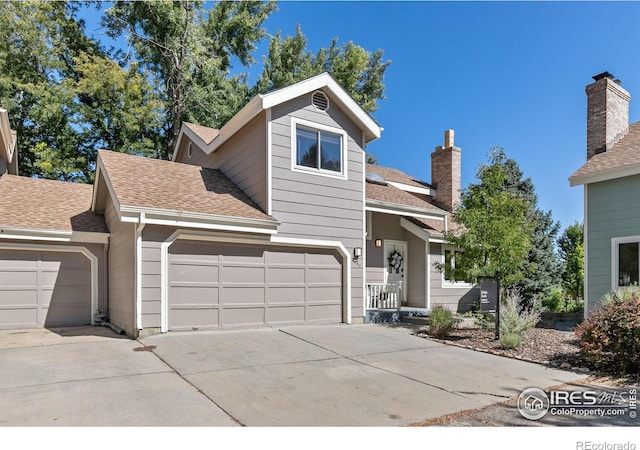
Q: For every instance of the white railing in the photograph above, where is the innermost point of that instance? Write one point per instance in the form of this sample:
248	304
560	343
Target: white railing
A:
383	296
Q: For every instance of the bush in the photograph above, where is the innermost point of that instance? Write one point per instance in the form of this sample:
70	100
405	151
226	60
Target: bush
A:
610	337
555	301
440	321
515	320
510	340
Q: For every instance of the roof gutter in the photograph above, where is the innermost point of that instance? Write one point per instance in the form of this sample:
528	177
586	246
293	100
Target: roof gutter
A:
605	175
404	210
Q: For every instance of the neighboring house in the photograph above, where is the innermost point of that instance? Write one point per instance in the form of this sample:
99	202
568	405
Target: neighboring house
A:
611	180
249	225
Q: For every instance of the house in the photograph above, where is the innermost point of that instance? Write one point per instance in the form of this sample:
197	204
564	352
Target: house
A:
611	182
274	219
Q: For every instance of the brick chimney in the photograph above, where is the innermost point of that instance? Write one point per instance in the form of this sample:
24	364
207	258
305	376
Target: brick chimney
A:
446	168
607	113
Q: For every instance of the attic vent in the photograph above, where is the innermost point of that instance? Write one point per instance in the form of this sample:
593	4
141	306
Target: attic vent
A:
320	101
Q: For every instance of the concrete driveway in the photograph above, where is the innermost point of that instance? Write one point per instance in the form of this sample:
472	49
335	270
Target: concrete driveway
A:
358	375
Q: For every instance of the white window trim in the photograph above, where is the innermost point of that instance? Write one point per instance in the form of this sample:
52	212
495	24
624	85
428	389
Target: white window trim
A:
451	284
319	127
615	254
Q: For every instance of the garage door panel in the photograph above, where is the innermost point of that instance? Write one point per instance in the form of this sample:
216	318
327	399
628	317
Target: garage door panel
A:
285	294
323	293
287	314
18	317
290	275
325	313
44	288
194	272
244	274
243	294
18	296
324	275
194	295
253	285
188	318
243	316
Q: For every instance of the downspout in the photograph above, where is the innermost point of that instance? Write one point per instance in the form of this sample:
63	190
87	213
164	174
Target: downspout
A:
139	228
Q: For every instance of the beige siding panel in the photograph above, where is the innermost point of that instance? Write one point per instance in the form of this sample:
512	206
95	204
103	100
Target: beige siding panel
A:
417	271
251	285
243	158
121	271
152	237
456	299
198	157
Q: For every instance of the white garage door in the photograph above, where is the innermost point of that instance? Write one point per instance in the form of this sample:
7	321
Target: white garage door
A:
215	284
44	289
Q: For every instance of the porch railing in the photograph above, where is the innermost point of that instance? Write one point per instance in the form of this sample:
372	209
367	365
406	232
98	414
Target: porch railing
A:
383	296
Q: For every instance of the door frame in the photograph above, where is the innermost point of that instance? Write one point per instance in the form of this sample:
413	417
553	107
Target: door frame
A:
387	244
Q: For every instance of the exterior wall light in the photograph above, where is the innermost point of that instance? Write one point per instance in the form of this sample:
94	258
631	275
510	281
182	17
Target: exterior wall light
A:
357	253
378	243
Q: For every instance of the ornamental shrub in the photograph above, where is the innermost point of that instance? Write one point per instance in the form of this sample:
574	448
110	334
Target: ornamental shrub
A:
510	340
610	337
440	321
514	319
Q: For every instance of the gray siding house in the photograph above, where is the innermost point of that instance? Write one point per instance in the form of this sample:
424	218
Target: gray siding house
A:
611	183
274	219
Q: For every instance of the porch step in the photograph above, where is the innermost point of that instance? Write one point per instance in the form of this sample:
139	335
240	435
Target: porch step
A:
420	315
416	320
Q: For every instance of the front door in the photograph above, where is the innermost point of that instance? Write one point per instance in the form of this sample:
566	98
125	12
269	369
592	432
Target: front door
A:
395	254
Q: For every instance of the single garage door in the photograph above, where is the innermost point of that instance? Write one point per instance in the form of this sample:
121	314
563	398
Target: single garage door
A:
216	284
43	289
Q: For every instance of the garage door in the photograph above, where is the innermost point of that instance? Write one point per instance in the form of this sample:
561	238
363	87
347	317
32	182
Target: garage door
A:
214	284
39	289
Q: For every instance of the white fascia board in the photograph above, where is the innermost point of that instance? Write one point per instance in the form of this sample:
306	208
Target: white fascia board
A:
415	229
33	234
410	188
605	175
101	171
201	221
402	210
178	141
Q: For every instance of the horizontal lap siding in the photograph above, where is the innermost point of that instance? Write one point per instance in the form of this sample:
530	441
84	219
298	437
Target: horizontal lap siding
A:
456	299
121	271
152	238
316	207
612	211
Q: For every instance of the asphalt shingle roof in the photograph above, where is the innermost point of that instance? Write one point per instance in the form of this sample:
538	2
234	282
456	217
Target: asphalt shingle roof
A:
47	205
205	133
625	152
165	185
396	176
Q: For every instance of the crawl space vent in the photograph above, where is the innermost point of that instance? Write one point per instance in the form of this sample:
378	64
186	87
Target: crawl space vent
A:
320	101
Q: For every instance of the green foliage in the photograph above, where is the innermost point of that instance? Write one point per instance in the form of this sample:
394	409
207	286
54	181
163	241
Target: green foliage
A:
515	320
610	337
510	341
440	321
558	301
571	251
357	70
495	226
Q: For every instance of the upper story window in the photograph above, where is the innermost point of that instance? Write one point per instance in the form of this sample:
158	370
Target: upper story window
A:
320	149
450	263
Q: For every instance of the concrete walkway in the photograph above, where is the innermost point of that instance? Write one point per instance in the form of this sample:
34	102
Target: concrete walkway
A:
358	375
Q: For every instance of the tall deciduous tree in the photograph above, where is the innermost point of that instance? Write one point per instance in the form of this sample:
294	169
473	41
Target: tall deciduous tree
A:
495	228
357	70
571	250
190	49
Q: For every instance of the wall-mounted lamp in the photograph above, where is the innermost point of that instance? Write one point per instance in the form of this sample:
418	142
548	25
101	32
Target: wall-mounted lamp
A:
357	253
378	243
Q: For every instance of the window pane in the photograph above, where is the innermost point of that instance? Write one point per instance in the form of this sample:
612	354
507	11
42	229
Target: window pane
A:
628	264
331	152
449	264
306	148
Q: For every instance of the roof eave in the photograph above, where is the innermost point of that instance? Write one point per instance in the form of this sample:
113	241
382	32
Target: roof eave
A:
605	175
404	210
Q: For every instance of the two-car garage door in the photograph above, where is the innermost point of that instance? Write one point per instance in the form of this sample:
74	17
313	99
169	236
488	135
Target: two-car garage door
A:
44	288
218	284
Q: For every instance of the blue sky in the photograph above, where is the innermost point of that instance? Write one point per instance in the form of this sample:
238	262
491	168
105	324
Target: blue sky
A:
510	74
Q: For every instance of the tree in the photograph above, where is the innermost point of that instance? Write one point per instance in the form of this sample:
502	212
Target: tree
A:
189	50
571	250
495	228
357	70
541	268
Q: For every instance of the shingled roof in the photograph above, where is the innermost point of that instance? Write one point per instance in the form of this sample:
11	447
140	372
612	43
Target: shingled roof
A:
625	153
205	133
396	176
33	203
174	187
